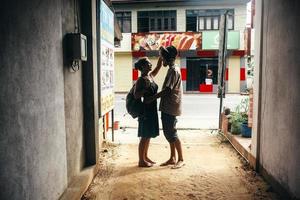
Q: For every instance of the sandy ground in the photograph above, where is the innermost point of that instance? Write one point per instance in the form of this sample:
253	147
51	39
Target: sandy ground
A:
213	170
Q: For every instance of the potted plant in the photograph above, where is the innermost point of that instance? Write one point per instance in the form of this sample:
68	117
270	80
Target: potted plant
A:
245	130
239	118
236	120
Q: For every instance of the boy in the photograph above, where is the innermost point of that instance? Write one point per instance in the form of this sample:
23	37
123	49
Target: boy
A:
170	105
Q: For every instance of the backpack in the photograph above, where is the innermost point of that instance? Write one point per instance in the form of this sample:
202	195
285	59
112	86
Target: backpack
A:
134	107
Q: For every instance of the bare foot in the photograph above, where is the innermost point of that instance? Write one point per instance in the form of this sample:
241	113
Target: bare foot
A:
144	164
168	162
178	165
150	161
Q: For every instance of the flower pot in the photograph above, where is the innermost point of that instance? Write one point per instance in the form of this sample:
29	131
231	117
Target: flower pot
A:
116	125
245	130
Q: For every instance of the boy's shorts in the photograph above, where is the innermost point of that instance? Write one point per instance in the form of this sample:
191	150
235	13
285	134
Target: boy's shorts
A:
169	127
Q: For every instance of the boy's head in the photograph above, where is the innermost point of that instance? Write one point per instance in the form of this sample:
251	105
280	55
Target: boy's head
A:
168	54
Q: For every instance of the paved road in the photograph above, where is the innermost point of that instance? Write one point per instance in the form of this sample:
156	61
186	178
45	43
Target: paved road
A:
200	111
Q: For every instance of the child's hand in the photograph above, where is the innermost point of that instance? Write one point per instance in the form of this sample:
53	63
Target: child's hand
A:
159	51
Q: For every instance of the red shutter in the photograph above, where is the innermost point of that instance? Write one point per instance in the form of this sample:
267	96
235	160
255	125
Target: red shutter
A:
183	74
243	74
135	74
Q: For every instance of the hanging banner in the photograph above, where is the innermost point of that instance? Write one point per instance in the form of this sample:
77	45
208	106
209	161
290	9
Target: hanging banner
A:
152	41
106	59
211	40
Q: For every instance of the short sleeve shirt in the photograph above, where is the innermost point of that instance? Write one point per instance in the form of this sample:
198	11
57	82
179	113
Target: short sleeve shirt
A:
171	104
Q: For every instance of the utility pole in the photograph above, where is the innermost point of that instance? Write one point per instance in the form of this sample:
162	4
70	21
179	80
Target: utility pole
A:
222	62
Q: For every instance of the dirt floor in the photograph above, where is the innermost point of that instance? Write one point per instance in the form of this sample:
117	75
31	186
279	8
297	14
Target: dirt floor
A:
213	170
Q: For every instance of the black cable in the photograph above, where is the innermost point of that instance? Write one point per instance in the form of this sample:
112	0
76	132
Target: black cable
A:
76	22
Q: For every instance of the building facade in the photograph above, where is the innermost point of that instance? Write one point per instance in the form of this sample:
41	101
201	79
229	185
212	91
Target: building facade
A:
192	27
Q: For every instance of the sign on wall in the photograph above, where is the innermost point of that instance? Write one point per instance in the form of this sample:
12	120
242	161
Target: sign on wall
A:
152	41
210	40
106	59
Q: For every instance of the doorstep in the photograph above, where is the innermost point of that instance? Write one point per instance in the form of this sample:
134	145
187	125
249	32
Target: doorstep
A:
79	184
241	144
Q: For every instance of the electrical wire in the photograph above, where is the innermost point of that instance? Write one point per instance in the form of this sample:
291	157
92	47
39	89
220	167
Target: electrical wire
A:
75	63
75	16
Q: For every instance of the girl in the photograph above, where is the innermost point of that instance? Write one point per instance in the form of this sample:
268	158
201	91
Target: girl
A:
148	123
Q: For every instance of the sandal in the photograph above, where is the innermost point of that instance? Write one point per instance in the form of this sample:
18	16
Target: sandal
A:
178	165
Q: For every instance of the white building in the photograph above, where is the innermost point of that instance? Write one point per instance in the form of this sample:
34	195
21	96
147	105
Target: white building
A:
191	26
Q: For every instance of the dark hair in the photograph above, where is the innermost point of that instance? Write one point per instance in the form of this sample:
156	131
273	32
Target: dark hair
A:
138	65
169	52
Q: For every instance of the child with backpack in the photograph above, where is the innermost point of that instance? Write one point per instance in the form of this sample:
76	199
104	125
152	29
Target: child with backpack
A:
148	127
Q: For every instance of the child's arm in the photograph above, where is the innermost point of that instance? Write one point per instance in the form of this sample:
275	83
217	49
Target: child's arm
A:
157	68
162	93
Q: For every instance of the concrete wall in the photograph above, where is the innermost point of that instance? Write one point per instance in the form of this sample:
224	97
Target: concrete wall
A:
181	20
33	138
41	101
280	100
257	74
234	74
125	43
73	94
123	72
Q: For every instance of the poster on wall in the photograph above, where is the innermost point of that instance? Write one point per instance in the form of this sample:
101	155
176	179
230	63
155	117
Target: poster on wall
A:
152	41
211	40
106	59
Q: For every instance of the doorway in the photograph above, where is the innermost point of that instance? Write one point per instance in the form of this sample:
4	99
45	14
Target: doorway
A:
201	71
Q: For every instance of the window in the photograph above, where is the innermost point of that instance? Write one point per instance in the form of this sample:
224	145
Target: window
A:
230	22
156	21
199	20
215	23
124	21
208	23
166	22
201	23
173	24
191	24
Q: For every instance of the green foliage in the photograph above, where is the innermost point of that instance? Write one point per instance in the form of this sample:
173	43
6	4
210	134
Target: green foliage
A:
250	66
239	116
250	72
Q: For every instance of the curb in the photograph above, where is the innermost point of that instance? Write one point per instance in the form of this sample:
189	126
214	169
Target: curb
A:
180	128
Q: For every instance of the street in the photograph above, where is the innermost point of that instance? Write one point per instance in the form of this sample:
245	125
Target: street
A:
200	111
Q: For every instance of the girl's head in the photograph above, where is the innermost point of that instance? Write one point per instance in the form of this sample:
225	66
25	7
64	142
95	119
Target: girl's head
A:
144	65
168	54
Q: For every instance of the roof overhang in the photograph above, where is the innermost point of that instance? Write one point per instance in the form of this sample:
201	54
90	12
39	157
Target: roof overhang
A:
188	2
